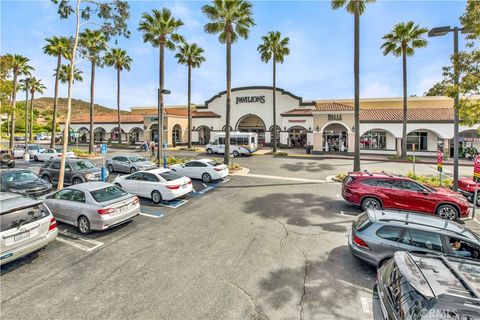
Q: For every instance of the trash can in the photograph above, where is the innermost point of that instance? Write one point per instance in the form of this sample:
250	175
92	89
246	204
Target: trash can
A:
308	149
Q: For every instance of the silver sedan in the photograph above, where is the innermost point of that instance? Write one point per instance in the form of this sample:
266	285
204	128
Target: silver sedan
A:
93	206
129	163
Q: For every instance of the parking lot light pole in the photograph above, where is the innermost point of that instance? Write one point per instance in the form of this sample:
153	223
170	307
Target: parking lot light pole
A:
437	32
160	157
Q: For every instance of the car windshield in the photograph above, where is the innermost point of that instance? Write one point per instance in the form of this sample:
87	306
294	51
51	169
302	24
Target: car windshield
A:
82	165
18	176
59	150
170	175
17	218
107	194
214	163
138	159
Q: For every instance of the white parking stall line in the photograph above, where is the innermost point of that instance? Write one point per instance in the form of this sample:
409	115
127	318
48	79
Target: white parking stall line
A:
74	244
263	176
151	215
435	170
366	304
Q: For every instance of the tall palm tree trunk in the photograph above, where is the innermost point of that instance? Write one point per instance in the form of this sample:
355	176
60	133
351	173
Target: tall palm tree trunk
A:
404	133
189	107
356	70
31	115
92	104
274	98
160	106
14	108
55	103
226	155
118	107
26	117
66	129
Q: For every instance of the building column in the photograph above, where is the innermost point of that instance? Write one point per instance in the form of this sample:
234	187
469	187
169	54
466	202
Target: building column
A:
147	135
446	148
268	137
399	147
317	141
309	138
351	142
284	138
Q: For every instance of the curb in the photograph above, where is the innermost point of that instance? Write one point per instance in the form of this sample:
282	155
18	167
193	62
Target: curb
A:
241	172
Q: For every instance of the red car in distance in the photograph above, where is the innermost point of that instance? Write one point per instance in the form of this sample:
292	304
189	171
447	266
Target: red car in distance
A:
466	186
382	190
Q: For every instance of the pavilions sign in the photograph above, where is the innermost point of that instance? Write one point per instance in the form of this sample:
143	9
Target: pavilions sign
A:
252	99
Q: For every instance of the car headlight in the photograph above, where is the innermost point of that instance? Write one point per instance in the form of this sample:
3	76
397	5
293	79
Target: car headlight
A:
89	176
21	191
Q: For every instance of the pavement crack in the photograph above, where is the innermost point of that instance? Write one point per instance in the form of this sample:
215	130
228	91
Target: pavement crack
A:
260	314
284	228
305	275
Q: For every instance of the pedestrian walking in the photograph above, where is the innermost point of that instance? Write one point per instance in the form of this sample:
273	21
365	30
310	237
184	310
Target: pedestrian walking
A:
152	148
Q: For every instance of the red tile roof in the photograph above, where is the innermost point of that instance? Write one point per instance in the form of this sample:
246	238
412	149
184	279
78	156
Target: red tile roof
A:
333	106
205	114
168	111
124	118
413	114
298	113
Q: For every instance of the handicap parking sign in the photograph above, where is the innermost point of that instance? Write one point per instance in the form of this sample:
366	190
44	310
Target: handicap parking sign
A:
103	148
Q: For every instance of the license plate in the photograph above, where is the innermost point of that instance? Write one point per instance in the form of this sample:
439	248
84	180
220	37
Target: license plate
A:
184	185
21	236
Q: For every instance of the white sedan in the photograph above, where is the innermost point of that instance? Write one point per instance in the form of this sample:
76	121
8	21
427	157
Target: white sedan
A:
33	150
205	169
51	154
157	184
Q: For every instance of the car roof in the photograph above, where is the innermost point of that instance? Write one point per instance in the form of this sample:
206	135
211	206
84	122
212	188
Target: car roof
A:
435	275
424	221
12	200
156	170
382	174
205	160
90	186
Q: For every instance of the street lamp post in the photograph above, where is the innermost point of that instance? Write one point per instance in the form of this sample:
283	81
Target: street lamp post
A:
437	32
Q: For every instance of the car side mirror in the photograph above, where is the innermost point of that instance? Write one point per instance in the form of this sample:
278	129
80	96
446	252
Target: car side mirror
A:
424	191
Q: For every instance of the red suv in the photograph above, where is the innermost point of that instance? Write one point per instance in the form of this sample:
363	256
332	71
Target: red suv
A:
381	190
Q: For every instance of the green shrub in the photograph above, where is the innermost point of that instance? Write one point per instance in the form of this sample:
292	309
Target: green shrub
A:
81	153
281	153
409	158
431	181
341	176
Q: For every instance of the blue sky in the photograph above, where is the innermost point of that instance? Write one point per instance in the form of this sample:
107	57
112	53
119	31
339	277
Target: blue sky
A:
321	42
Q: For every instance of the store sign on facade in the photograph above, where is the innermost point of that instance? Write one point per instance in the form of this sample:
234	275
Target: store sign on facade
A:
297	120
251	99
334	117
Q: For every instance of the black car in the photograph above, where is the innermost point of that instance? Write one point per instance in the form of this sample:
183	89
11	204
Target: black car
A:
429	286
76	171
24	182
7	159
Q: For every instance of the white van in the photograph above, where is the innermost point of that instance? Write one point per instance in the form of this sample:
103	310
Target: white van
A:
241	143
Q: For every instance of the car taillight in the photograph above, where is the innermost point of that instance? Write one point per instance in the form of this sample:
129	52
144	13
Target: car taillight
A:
177	186
218	169
106	211
360	242
135	200
53	224
189	181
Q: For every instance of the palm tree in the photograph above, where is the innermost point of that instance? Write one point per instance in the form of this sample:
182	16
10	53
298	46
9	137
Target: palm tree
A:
275	47
19	66
35	85
58	47
65	73
119	59
191	56
160	30
402	41
356	7
92	43
24	85
231	19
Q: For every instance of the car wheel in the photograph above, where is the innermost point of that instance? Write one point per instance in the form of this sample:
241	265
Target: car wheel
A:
235	153
447	211
156	197
35	158
47	178
133	170
110	168
11	165
369	203
209	151
77	181
83	225
206	177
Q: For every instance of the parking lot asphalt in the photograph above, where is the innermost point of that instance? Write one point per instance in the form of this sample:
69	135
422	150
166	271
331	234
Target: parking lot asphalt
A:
253	247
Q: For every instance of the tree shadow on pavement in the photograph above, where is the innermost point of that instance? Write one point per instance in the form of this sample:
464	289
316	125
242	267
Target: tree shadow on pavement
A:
311	166
333	287
300	209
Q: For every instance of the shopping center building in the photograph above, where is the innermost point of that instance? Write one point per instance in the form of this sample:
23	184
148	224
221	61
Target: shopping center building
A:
327	125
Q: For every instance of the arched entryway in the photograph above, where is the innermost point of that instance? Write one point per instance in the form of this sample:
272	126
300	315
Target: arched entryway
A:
335	137
252	123
99	134
154	132
297	137
114	134
176	135
83	135
135	135
204	135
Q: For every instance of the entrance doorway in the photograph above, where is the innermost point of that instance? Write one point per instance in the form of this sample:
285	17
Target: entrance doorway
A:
176	135
203	135
335	138
252	123
297	137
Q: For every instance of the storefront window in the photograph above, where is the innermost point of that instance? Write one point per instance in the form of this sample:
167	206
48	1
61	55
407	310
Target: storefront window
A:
374	140
419	139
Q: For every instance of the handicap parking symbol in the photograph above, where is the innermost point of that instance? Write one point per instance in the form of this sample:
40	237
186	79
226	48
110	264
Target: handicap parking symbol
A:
173	203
